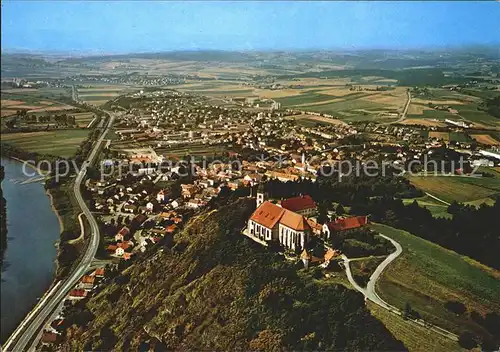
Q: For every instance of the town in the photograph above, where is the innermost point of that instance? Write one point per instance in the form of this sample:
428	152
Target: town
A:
171	154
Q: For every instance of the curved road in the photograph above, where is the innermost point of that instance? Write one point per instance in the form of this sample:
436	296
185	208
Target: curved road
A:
370	293
23	335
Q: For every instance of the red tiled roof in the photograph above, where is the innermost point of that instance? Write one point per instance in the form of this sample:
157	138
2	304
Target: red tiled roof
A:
112	247
294	221
99	272
87	279
348	223
124	231
298	203
314	225
124	245
78	293
49	337
268	214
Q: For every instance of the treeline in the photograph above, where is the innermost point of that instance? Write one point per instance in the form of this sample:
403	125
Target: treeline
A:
493	106
348	189
471	231
433	77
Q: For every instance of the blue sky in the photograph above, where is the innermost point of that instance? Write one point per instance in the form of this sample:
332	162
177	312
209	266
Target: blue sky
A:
132	26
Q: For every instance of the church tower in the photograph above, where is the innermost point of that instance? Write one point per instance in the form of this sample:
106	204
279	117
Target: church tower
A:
260	194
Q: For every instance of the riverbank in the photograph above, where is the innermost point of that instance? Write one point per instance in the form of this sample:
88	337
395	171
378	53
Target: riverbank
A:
54	209
29	262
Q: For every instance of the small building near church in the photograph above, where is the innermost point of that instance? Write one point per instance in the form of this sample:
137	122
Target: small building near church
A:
303	205
344	224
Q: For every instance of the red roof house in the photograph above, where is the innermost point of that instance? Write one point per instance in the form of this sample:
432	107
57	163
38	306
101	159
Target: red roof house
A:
303	205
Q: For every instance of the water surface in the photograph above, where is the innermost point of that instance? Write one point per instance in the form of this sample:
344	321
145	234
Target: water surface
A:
29	261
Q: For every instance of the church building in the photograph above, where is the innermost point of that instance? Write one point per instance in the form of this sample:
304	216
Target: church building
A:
272	223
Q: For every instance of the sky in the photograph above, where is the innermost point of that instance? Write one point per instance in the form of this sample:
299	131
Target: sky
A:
143	26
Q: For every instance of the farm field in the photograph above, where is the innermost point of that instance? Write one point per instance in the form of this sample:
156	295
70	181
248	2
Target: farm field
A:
100	94
436	208
427	276
463	106
32	100
63	143
83	119
415	338
330	96
457	188
485	139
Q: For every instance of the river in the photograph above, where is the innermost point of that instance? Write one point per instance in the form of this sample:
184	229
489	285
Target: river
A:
29	261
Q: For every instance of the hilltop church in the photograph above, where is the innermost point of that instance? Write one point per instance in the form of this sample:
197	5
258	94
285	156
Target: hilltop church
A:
273	223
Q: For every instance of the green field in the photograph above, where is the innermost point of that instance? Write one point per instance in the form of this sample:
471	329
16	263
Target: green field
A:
305	98
460	189
433	114
415	338
63	143
437	208
427	276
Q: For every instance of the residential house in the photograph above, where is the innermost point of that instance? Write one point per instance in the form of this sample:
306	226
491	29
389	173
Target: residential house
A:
160	196
122	234
188	190
99	272
49	337
77	294
87	282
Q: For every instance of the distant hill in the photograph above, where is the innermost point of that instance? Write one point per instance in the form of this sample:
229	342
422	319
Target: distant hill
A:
217	290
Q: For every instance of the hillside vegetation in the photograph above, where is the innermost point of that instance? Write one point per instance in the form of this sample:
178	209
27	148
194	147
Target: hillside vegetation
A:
215	289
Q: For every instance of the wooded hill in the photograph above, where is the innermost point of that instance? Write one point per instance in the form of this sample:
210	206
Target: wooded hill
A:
214	289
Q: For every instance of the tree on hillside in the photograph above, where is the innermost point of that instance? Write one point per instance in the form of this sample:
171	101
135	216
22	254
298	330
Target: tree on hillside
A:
467	340
455	307
340	210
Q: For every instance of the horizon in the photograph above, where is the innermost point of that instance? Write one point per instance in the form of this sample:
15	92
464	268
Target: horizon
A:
104	28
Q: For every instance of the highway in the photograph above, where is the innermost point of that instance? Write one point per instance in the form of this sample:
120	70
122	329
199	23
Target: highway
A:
21	338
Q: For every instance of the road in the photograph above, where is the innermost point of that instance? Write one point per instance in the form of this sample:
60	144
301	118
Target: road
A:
370	293
405	111
21	338
438	199
74	93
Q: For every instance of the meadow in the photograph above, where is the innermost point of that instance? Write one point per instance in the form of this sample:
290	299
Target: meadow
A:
427	276
414	337
437	208
63	143
457	188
